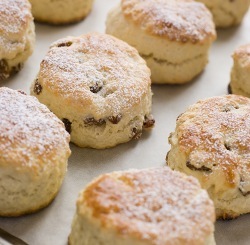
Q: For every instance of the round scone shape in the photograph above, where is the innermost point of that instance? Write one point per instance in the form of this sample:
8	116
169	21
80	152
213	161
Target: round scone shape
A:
99	86
60	11
240	73
173	36
17	35
227	13
212	143
152	206
34	150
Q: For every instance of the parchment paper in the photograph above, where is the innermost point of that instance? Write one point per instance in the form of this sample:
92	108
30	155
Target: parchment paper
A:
52	225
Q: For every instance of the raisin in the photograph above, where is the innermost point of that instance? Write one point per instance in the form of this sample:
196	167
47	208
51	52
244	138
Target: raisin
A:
136	133
4	70
202	168
67	44
37	87
21	92
96	88
148	122
115	119
90	121
67	124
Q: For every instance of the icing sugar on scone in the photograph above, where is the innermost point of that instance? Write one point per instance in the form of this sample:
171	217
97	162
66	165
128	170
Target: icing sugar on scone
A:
173	37
99	86
212	143
152	206
16	35
34	150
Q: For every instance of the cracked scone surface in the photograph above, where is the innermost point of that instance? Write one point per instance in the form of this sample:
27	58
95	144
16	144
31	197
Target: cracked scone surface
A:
17	35
240	72
173	37
212	143
60	11
227	13
99	86
151	206
34	150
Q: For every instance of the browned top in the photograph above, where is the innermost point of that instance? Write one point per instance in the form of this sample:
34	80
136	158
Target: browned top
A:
180	20
215	133
31	137
97	70
242	55
156	205
15	16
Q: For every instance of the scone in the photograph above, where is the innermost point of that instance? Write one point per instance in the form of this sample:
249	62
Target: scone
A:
240	73
99	87
173	36
60	11
212	143
34	150
227	13
17	35
143	207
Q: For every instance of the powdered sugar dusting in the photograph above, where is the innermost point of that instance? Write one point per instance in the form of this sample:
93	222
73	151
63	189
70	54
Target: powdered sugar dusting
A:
95	60
181	20
216	133
15	16
157	204
29	132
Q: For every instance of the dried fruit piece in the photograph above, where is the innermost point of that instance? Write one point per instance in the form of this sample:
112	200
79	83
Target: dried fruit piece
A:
37	87
136	133
67	44
96	88
67	124
202	168
115	119
90	121
148	122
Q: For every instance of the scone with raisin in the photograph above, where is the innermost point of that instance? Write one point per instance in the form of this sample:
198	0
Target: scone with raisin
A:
60	11
17	35
34	151
212	143
143	207
173	36
240	73
99	87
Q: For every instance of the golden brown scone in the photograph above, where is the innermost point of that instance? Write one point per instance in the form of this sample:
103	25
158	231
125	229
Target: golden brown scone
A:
143	207
173	36
227	13
99	86
60	11
17	35
34	151
212	143
240	73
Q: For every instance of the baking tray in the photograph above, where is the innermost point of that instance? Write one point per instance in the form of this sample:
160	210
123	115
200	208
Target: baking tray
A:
52	224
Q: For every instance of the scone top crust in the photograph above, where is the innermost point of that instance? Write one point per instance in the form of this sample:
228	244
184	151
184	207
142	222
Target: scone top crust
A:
31	137
15	17
156	205
180	20
215	135
242	55
95	71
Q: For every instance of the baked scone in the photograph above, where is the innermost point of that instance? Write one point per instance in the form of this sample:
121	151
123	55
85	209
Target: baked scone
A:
99	86
34	150
17	35
227	13
60	11
240	73
143	207
212	143
173	36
